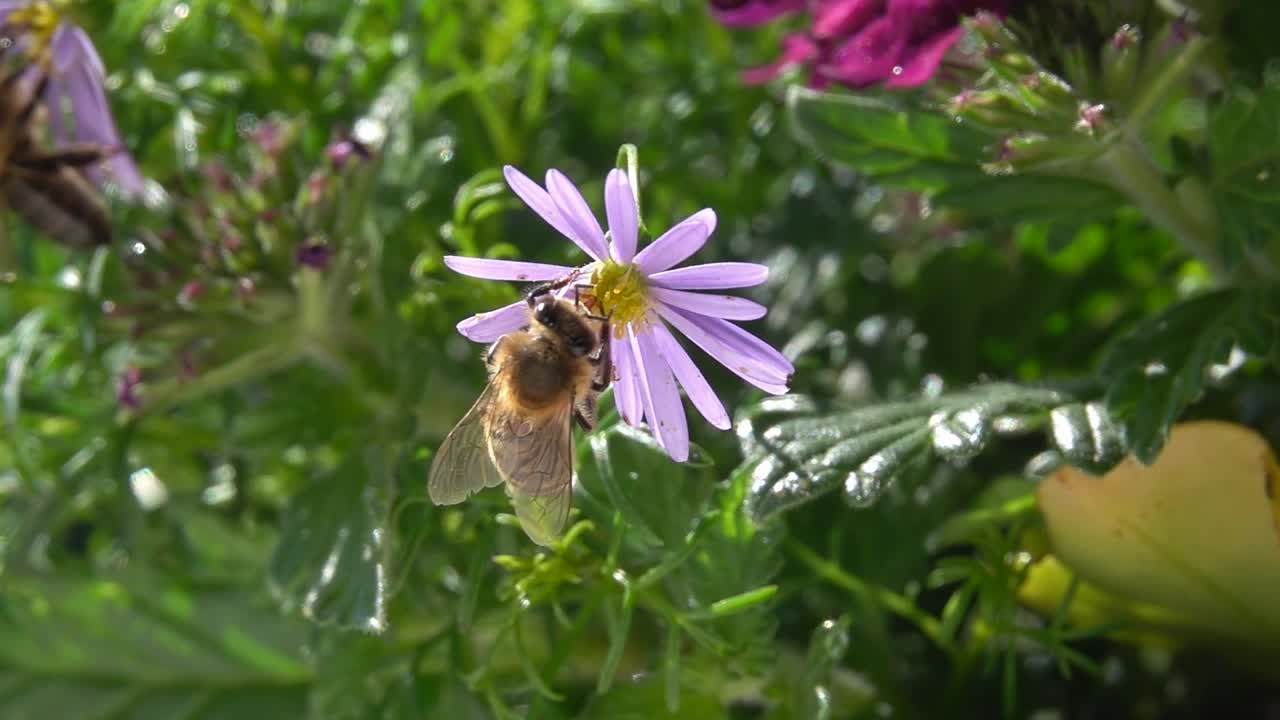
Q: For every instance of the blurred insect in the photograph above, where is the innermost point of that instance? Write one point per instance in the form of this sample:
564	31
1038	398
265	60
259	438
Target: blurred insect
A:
520	430
47	188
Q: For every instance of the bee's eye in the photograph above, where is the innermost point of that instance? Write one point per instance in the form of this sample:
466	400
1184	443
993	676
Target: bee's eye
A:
545	317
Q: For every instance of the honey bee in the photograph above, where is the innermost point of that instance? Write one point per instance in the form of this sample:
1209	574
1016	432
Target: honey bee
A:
47	188
520	431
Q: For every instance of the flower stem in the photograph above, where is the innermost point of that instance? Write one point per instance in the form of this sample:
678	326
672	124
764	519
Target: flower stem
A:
1131	172
898	604
629	160
1156	91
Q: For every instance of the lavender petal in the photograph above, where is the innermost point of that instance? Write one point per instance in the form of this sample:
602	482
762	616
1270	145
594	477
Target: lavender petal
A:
624	218
489	326
540	202
488	269
673	246
729	307
771	377
577	214
71	46
691	379
83	82
626	384
712	276
667	419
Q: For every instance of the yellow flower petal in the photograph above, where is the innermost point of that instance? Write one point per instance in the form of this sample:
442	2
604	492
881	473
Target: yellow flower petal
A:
1194	533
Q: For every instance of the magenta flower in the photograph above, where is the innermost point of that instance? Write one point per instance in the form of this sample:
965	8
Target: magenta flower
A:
858	43
645	293
75	95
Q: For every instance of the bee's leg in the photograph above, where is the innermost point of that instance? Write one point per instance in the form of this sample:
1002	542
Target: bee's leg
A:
33	100
492	351
584	413
547	288
73	156
532	296
603	361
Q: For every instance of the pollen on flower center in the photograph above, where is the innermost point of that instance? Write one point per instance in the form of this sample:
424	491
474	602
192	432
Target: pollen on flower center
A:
40	19
621	292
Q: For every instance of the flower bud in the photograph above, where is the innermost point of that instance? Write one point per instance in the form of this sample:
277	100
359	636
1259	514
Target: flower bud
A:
1120	60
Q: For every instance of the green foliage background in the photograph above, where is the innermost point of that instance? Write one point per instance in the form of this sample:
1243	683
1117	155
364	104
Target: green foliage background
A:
296	567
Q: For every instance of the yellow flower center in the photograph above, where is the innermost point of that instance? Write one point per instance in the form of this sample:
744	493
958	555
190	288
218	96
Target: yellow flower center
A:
621	292
40	20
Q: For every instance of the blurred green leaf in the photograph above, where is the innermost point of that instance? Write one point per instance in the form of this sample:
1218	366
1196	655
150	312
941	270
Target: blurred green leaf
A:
643	698
660	499
1157	369
331	559
928	151
142	649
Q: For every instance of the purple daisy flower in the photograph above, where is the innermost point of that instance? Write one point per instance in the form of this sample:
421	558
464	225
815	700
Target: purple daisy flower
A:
647	295
76	94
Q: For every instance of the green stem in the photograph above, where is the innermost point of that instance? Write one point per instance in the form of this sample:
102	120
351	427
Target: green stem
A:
1128	169
1156	90
629	160
890	600
494	120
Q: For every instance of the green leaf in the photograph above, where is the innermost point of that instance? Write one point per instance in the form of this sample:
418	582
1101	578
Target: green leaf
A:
1244	160
916	150
137	649
1159	368
931	152
331	560
659	498
1032	196
796	460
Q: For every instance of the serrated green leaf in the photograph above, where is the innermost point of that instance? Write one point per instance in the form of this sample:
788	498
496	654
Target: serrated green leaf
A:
921	151
1244	161
1156	370
798	460
331	559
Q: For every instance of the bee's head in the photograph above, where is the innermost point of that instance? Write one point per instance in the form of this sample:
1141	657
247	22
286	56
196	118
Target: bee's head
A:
564	320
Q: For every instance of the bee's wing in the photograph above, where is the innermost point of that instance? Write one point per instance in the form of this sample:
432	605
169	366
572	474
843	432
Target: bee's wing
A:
463	466
61	203
535	455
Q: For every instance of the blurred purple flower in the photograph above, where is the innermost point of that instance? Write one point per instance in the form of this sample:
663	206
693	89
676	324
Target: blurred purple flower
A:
858	43
645	293
314	254
127	388
76	95
343	149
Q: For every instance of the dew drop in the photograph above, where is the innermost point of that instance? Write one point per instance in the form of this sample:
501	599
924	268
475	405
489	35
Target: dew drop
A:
960	437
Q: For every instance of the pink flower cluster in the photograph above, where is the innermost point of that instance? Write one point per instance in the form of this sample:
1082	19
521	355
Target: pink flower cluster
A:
857	43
